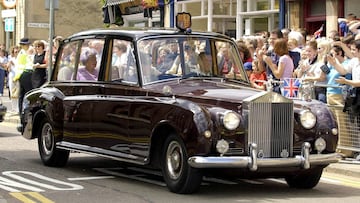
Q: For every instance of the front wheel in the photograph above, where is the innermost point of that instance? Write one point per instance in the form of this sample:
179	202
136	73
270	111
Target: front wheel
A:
306	180
178	175
50	155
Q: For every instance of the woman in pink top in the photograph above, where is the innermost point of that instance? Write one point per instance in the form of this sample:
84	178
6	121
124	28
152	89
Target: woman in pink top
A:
89	71
285	67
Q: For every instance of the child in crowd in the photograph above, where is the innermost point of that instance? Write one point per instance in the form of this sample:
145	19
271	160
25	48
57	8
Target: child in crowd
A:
257	76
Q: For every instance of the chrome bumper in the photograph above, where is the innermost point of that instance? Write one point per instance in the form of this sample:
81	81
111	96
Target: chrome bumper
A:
305	160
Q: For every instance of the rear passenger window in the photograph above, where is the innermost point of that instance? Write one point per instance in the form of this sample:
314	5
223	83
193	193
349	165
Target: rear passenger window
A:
90	60
67	62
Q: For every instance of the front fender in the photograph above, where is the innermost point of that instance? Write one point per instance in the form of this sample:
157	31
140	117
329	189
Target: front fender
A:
39	104
191	120
325	124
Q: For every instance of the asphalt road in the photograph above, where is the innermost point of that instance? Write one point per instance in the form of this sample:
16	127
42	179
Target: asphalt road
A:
89	179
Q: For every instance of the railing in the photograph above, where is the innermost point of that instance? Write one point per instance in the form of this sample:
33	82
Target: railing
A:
349	128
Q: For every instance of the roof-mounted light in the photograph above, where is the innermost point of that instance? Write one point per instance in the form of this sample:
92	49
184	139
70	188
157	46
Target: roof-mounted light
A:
183	22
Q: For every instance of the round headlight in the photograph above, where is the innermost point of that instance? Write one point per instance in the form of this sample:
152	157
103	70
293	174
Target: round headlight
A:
307	119
320	144
231	120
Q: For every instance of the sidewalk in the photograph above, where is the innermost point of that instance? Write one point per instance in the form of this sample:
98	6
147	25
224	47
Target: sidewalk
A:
347	167
10	116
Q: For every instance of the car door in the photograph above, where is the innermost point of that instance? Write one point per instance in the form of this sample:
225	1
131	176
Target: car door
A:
110	112
109	124
75	120
142	113
81	99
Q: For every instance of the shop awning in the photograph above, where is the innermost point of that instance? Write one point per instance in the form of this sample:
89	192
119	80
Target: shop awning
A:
115	2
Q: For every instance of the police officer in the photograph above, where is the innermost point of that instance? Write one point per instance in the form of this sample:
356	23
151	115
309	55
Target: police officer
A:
24	70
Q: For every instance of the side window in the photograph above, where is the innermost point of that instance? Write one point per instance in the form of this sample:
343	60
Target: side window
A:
229	62
224	59
123	65
66	65
204	60
90	60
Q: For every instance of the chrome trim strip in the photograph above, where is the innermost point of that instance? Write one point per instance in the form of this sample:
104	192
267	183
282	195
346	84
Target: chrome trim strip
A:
100	152
305	160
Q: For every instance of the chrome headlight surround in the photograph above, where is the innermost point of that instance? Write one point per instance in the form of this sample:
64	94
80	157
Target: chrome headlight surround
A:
230	120
307	119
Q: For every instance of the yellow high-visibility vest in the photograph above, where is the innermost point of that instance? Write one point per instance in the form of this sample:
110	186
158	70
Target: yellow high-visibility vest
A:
24	61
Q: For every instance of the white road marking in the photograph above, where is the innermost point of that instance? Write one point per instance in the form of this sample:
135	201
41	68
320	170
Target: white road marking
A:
91	178
67	186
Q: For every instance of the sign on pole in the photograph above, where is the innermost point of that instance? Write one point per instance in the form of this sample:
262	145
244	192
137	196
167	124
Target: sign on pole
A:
54	2
8	13
9	3
9	24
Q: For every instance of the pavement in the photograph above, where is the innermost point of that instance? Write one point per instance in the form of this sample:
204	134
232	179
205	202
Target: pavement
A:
345	167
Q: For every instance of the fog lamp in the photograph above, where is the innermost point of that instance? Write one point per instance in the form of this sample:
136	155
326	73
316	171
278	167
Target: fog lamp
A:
222	146
320	144
334	131
207	133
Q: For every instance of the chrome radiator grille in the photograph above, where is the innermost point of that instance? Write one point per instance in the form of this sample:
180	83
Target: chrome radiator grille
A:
270	125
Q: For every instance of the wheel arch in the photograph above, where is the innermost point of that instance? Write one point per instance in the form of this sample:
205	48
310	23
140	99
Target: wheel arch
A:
157	142
37	119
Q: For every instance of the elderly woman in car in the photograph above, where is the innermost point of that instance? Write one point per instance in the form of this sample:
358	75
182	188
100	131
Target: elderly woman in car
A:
89	70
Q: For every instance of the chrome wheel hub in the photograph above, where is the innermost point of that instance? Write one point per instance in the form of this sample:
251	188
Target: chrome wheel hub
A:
47	139
174	160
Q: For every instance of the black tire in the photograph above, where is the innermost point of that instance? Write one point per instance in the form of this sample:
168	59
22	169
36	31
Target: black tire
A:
50	155
178	175
306	180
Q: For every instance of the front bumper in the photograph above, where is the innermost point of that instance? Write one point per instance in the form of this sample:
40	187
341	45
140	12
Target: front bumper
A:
305	160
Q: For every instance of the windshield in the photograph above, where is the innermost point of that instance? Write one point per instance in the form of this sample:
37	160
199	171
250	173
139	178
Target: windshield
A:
166	58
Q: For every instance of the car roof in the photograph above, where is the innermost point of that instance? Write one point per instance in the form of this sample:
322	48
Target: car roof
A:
137	33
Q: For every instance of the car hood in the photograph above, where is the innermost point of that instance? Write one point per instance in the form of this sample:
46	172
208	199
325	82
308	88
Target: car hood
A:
207	89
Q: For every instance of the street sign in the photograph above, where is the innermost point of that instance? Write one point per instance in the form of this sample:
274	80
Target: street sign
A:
9	24
8	13
38	25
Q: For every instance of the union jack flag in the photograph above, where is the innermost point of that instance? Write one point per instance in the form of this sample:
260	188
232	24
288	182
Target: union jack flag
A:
317	33
291	87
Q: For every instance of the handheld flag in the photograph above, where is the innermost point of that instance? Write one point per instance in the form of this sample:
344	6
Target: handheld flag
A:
291	87
317	33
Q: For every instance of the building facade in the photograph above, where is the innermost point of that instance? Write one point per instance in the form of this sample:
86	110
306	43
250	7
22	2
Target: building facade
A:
235	18
33	19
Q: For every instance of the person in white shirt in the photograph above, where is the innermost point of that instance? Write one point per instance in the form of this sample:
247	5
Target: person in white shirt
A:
352	67
13	86
352	101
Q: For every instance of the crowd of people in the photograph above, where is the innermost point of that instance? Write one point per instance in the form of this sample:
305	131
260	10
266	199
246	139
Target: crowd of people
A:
322	65
24	67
